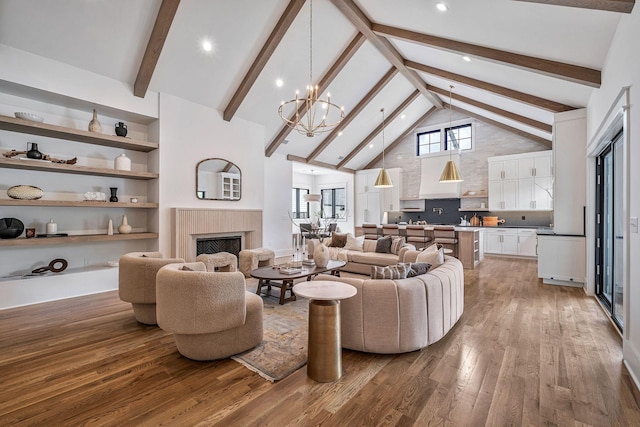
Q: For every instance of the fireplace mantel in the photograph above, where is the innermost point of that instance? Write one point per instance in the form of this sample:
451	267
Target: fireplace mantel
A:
190	223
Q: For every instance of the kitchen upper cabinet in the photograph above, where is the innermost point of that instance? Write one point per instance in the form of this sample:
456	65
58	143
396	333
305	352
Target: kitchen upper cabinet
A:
521	182
368	208
503	169
371	202
503	195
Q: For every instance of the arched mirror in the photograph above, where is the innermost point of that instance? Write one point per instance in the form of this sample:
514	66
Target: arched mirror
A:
218	179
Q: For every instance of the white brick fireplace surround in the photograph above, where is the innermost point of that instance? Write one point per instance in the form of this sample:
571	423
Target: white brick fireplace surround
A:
189	224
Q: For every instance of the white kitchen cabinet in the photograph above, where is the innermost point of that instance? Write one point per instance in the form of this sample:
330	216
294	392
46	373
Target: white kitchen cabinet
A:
390	197
229	186
501	241
562	260
368	208
365	180
527	242
371	202
521	181
503	195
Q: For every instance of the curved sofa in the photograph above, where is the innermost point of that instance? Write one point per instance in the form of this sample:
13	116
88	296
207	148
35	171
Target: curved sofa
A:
399	316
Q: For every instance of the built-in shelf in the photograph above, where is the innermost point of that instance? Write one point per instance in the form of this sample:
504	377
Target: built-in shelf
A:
85	238
409	199
412	210
76	203
473	209
72	169
54	131
475	196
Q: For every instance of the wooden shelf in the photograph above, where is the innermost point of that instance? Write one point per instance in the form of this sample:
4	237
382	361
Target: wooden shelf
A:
473	210
53	131
76	203
72	169
412	210
48	241
475	196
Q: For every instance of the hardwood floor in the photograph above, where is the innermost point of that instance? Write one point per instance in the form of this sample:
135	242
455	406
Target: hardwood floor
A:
523	353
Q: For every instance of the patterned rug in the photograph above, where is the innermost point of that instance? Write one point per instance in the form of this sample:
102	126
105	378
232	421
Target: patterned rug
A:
284	347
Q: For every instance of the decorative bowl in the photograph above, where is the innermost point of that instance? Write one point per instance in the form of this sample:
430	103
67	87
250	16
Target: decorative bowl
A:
10	228
25	192
29	116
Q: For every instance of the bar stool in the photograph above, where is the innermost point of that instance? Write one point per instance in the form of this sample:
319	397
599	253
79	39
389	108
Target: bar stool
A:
417	236
390	230
370	231
445	235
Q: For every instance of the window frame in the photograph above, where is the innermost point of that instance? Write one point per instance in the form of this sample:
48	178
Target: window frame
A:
334	210
296	214
444	137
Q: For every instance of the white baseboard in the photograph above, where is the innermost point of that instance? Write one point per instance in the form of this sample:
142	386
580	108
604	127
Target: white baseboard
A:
631	360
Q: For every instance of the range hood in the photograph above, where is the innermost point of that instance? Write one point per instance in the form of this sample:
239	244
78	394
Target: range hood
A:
431	169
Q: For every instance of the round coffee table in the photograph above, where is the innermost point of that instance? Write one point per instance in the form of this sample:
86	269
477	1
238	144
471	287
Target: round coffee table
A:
324	362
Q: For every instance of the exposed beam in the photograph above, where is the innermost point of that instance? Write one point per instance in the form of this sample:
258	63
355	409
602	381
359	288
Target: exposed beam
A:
504	113
399	139
354	113
363	24
535	101
378	128
324	82
261	60
503	126
560	70
622	6
159	33
299	159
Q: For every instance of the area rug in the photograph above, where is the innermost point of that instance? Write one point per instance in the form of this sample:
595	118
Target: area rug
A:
284	347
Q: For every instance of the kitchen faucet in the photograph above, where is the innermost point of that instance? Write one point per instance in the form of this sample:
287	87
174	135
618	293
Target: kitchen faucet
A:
439	210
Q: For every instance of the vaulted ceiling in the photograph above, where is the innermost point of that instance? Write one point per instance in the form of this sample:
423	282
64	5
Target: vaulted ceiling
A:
527	59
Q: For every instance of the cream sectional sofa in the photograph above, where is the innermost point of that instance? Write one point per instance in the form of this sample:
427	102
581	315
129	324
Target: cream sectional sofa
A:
361	261
398	316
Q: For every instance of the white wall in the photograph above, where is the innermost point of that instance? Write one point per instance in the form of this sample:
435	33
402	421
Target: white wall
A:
277	184
622	68
190	133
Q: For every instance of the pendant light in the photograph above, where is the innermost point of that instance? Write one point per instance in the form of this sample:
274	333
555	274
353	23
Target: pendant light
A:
383	180
450	172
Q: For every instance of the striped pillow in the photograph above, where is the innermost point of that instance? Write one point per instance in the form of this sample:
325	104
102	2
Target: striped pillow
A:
393	272
396	244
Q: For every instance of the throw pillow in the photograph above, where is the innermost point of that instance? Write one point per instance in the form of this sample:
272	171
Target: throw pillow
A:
338	240
396	244
432	248
383	245
185	268
418	268
354	243
436	259
393	272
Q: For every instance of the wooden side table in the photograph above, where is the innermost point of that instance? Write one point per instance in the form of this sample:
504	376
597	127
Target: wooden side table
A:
324	349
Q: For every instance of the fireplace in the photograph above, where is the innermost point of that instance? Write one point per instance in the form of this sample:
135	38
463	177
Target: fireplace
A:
213	245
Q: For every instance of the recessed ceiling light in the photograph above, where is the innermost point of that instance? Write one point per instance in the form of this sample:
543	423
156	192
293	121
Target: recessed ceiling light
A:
402	117
466	58
340	133
279	82
442	7
340	157
370	145
207	46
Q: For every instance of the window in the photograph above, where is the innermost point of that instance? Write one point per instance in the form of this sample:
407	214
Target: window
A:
334	203
437	140
299	208
462	135
429	142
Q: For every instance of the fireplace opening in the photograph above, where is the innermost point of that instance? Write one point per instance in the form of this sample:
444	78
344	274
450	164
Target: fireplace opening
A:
213	245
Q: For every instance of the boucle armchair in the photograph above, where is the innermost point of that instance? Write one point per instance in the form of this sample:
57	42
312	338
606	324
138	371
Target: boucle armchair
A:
210	314
137	282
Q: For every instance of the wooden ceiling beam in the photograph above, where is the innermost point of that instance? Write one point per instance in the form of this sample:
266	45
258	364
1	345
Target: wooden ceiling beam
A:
363	24
560	70
503	126
378	128
545	104
621	6
263	57
158	36
323	84
353	113
299	159
399	139
504	113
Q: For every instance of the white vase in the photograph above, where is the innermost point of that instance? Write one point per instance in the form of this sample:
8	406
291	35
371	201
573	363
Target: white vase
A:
124	228
52	227
110	228
122	163
321	255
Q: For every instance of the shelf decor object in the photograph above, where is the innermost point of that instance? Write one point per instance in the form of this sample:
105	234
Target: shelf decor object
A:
114	196
29	116
52	227
10	228
122	163
94	124
383	180
33	153
25	192
451	172
311	115
124	228
121	129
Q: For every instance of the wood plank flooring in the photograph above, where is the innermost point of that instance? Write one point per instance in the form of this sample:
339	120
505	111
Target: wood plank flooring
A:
523	354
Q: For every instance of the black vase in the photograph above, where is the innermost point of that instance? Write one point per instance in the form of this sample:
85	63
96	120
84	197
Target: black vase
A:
113	197
121	129
33	152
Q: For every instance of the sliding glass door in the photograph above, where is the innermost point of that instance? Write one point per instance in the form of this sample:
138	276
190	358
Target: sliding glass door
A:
610	230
